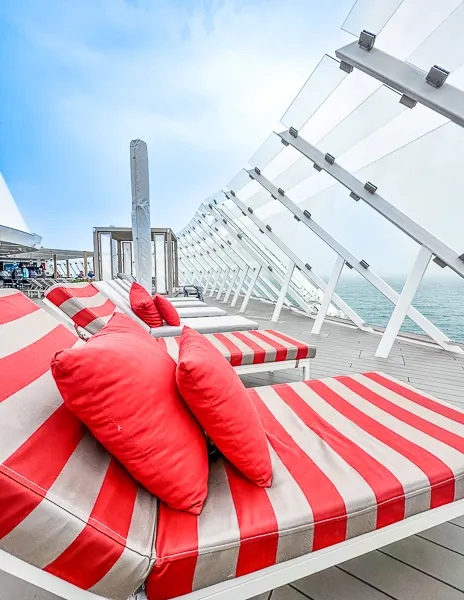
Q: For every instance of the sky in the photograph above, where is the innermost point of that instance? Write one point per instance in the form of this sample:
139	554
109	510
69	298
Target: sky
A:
203	82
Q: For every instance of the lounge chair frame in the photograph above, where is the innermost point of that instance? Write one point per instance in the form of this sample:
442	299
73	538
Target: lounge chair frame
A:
266	367
247	586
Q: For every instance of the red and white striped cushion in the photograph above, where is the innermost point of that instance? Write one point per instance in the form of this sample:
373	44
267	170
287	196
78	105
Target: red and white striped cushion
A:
83	303
66	505
350	455
250	347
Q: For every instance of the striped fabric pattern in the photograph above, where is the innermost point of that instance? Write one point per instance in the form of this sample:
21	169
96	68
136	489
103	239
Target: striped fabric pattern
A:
250	347
83	303
350	455
66	505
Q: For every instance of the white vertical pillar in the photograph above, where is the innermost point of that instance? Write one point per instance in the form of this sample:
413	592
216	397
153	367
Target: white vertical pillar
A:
223	283
329	292
209	279
250	289
404	302
231	287
240	285
215	282
283	292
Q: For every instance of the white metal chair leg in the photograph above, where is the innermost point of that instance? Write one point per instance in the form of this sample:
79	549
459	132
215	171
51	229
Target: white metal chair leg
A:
305	364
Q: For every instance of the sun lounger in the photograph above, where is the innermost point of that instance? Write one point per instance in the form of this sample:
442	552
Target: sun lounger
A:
359	462
195	308
88	307
248	352
185	312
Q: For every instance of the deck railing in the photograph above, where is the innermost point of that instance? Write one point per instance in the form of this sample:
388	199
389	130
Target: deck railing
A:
229	248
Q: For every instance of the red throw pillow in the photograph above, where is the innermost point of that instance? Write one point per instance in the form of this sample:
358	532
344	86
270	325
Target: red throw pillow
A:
167	310
219	400
142	304
122	385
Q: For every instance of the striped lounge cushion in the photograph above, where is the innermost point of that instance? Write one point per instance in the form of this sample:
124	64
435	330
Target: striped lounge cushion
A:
250	347
66	505
350	455
83	303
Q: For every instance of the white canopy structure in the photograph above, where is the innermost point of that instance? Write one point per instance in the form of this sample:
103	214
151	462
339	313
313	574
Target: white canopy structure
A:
14	234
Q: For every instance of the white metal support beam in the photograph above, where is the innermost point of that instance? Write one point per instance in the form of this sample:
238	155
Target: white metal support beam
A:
252	254
223	283
193	268
407	296
379	204
211	256
308	273
231	287
283	292
240	286
407	79
329	292
249	291
429	328
264	261
215	284
187	268
235	259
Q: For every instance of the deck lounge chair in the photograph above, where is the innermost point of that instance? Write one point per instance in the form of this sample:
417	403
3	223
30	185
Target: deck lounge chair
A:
185	309
358	463
178	301
90	306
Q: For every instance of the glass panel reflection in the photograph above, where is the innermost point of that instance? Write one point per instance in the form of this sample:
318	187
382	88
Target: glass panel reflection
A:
325	78
369	15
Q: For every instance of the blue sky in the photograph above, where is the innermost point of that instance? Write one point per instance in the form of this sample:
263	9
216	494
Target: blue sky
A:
202	82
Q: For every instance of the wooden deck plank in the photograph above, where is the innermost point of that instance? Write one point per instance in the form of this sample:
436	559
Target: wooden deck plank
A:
335	584
398	580
447	535
443	564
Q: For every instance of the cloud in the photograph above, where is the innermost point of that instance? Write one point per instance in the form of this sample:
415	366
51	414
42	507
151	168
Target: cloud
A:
203	83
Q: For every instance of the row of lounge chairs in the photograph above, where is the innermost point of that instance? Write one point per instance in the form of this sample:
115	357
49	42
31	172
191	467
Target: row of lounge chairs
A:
358	463
89	306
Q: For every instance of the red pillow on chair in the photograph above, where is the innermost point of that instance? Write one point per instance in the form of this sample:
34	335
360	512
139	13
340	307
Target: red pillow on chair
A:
142	304
122	385
222	405
167	310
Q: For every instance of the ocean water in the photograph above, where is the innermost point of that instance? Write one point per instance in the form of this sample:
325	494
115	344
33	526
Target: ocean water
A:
441	300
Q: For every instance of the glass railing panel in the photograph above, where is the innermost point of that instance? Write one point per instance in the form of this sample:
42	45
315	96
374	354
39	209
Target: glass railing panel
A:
322	82
444	46
369	15
270	148
239	181
412	23
374	112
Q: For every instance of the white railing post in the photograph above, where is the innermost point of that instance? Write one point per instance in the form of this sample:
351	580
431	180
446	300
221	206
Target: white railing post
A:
240	285
329	292
231	287
223	283
405	300
215	282
249	291
283	292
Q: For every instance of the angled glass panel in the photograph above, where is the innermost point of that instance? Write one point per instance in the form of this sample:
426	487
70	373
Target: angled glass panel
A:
325	78
377	109
443	47
271	147
370	15
239	181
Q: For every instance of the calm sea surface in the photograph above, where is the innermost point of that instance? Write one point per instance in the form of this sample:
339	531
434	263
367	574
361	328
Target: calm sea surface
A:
440	300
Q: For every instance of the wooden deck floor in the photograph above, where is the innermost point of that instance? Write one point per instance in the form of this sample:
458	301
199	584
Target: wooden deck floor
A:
429	566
